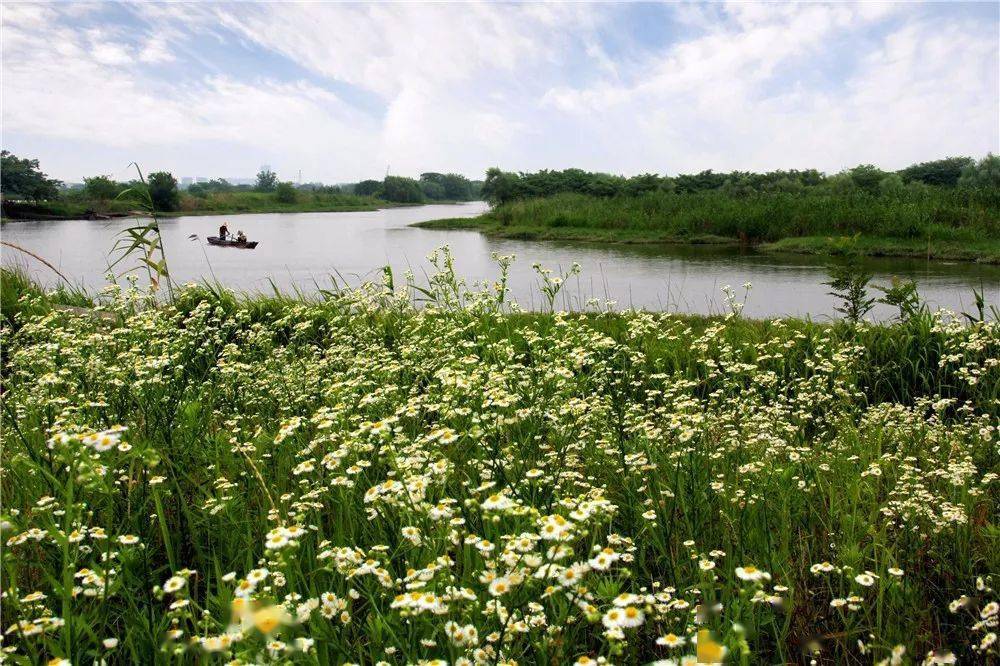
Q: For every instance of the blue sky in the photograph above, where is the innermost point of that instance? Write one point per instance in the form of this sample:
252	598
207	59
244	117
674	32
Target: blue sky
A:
343	91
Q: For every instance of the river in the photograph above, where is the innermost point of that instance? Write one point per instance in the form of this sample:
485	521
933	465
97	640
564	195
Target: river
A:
304	249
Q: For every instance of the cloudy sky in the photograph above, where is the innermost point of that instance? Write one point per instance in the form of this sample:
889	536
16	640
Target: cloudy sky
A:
340	91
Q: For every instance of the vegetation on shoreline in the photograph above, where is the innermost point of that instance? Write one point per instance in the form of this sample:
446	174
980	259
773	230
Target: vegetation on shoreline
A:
30	194
502	187
948	209
788	211
271	480
986	251
431	187
213	204
963	248
488	224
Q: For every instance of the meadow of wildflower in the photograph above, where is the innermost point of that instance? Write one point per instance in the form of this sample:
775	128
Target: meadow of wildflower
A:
352	479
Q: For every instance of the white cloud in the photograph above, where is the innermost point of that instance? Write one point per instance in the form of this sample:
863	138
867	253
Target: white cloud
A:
107	53
156	50
89	97
730	99
464	87
391	47
726	59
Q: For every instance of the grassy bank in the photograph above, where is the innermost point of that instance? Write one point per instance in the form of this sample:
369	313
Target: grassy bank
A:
488	224
979	250
63	209
349	479
215	203
953	224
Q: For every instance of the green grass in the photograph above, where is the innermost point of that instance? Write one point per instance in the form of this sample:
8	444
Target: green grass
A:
489	225
218	203
263	202
64	209
983	251
961	224
359	449
20	295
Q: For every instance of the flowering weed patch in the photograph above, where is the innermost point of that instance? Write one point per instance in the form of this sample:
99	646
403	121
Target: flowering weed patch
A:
355	480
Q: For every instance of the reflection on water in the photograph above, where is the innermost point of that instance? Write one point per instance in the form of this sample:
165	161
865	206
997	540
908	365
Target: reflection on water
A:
305	249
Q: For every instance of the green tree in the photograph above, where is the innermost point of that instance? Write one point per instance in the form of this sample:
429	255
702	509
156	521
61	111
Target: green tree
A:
22	179
901	294
432	190
892	186
944	173
499	186
163	191
454	186
219	185
739	187
603	185
841	183
786	185
401	190
267	180
101	188
699	182
849	283
647	182
367	188
285	193
867	177
985	173
215	185
457	187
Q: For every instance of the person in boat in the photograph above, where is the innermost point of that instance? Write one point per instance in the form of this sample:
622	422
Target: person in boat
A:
223	231
241	237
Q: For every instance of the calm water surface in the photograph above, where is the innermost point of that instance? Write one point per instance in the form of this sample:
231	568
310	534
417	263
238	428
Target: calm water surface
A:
304	249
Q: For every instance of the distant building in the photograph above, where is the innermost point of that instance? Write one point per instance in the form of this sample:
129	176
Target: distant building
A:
187	181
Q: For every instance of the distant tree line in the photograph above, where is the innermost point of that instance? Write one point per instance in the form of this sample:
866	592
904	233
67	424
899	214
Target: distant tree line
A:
24	182
23	179
161	184
431	186
503	186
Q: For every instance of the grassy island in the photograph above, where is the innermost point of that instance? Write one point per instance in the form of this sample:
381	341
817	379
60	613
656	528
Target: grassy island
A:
965	228
941	210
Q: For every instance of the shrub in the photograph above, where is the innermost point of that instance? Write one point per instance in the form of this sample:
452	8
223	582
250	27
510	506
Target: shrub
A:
285	193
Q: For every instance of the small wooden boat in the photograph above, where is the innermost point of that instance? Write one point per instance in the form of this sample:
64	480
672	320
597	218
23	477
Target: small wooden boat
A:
230	242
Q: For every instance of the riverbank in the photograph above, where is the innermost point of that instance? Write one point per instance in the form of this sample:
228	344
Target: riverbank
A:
251	202
938	223
213	203
981	250
269	448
